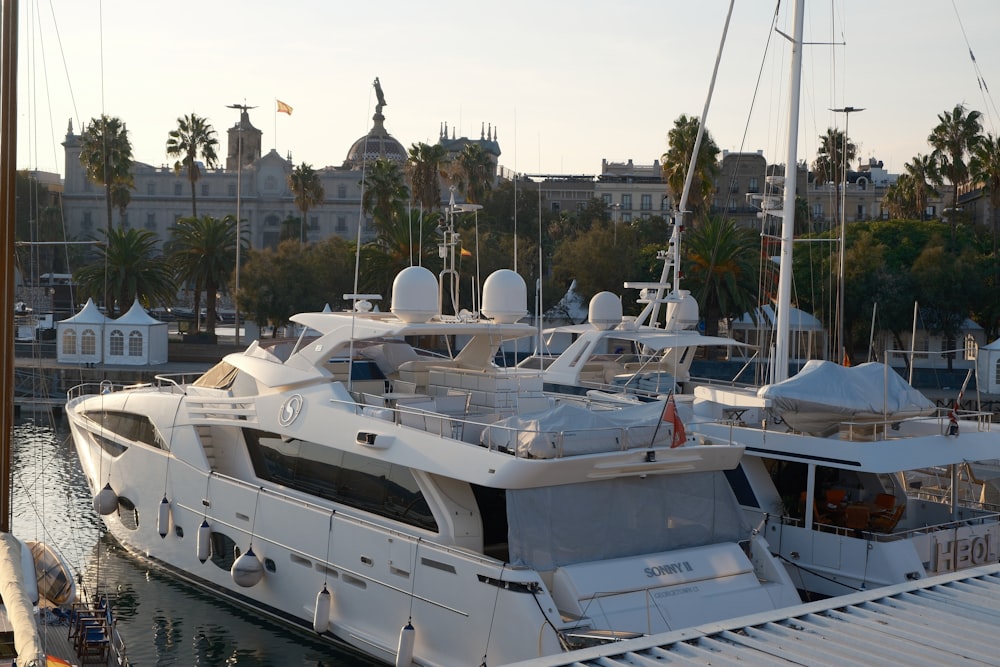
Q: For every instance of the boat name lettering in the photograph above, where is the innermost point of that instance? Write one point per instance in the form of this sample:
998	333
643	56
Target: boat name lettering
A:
676	591
965	552
668	569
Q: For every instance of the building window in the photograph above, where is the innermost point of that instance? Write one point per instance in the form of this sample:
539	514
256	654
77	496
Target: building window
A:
341	192
69	341
116	346
151	222
626	202
861	212
665	203
204	189
151	188
271	221
818	211
607	199
88	222
647	203
554	207
734	186
971	348
135	344
88	342
627	218
753	186
314	222
341	223
232	189
177	189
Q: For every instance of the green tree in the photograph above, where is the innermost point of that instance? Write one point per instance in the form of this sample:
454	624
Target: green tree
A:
291	229
106	156
680	141
425	167
474	173
384	191
953	139
128	267
406	241
722	269
193	136
984	167
835	152
203	251
924	176
308	190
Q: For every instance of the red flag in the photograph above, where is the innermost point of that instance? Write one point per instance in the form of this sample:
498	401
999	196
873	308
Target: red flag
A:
671	417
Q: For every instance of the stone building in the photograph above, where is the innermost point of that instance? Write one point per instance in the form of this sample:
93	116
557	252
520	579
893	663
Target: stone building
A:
161	196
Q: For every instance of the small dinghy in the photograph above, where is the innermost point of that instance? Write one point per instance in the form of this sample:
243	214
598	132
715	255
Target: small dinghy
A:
55	577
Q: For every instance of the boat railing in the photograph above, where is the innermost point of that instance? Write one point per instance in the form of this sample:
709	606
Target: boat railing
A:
482	430
982	519
104	387
948	420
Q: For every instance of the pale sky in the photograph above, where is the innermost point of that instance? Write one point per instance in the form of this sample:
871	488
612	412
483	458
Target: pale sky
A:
564	84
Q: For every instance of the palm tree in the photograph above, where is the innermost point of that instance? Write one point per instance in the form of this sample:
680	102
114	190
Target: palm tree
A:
923	173
106	156
384	192
425	164
474	173
680	140
203	251
835	152
723	269
305	185
900	198
984	168
128	267
955	136
193	136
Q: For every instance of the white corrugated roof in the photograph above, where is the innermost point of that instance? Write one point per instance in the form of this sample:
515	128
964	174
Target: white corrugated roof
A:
945	620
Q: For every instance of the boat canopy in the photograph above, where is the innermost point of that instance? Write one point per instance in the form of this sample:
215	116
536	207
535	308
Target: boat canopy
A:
825	394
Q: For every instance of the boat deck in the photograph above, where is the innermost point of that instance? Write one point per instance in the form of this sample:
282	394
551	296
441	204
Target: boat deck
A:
69	640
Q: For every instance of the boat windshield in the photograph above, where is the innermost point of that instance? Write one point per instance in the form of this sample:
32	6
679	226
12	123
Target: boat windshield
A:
576	523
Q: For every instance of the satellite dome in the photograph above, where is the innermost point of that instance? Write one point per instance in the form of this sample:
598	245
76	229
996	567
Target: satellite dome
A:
605	311
505	297
414	295
682	310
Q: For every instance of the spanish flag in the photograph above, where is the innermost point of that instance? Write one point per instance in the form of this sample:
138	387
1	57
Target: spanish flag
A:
284	108
466	253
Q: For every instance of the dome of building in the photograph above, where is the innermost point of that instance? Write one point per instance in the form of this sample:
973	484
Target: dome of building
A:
377	143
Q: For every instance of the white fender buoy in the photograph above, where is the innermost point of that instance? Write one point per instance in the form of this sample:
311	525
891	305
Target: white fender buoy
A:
247	570
106	501
163	518
404	652
204	541
321	617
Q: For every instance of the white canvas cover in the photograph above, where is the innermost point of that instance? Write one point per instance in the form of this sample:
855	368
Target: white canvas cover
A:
80	339
578	523
135	339
824	394
570	430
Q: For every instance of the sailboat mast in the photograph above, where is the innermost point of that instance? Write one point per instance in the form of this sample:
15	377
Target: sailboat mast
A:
8	170
780	365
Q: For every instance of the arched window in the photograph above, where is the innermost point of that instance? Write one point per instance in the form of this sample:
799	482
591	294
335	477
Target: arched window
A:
135	343
69	342
88	342
116	347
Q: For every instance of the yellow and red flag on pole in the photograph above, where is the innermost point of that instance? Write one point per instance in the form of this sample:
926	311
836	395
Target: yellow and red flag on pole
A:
284	108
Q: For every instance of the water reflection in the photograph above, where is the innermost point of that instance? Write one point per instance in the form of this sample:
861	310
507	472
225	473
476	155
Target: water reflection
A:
163	621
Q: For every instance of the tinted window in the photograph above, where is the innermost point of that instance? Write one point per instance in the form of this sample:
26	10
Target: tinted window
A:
357	481
128	425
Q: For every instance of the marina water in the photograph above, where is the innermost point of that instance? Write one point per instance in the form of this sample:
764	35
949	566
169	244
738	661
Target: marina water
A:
162	620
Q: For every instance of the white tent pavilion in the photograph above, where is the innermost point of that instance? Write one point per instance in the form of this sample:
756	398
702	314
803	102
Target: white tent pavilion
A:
135	339
80	338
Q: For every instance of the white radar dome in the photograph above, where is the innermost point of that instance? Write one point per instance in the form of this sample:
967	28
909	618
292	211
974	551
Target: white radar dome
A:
414	295
682	311
505	297
605	311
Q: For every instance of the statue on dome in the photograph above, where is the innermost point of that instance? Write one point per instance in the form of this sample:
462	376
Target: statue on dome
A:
380	96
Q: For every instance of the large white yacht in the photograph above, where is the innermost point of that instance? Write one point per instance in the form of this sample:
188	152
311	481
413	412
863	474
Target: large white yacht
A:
434	510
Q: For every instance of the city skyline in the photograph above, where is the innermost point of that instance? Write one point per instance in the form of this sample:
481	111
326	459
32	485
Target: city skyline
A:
562	89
